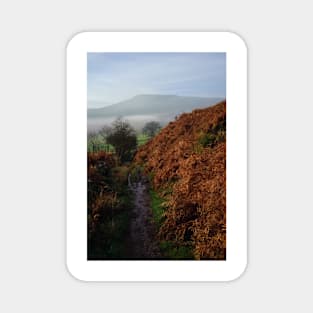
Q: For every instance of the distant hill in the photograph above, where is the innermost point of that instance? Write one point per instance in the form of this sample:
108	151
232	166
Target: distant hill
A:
153	104
143	108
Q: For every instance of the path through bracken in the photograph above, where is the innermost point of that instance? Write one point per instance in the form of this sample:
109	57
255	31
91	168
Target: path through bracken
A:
142	241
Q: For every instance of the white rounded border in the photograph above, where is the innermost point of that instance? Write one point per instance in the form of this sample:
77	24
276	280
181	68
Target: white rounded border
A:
236	56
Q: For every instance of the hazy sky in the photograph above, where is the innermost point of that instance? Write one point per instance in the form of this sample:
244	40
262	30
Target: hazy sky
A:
114	77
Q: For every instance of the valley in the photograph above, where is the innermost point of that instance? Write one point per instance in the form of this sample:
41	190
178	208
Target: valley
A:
167	199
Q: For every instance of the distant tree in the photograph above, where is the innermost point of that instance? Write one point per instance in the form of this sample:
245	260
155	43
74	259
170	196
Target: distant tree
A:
151	128
92	140
123	138
105	131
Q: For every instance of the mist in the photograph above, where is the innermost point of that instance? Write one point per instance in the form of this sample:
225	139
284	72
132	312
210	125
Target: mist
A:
146	108
136	121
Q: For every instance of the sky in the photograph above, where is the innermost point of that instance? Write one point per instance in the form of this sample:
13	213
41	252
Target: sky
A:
115	77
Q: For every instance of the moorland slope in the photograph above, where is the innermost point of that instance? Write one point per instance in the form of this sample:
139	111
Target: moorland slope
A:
187	165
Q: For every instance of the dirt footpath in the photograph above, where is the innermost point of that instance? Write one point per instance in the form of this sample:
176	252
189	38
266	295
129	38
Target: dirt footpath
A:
143	244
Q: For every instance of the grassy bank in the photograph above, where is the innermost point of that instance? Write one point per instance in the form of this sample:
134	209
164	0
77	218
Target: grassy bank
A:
169	249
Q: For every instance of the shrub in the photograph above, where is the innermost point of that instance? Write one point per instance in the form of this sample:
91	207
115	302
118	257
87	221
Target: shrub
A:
124	140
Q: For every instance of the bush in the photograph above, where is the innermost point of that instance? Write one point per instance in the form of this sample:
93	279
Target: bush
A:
124	140
207	140
151	128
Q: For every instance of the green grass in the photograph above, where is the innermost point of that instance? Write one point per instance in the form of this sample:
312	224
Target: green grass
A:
99	143
207	140
157	205
171	250
214	136
142	139
151	177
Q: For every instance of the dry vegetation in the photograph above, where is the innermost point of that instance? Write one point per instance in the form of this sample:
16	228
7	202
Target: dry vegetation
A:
108	206
187	166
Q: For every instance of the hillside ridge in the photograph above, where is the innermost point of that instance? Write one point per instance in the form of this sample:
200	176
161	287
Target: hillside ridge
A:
152	104
187	160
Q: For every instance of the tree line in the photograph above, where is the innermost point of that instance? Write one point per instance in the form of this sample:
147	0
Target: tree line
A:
122	137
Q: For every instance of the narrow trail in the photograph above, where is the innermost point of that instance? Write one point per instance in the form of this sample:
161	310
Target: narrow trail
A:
142	237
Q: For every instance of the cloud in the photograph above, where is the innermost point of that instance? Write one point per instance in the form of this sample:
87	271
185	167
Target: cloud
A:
113	77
